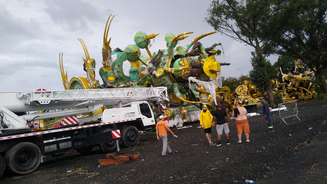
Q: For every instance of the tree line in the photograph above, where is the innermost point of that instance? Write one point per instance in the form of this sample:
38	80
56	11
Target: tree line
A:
292	29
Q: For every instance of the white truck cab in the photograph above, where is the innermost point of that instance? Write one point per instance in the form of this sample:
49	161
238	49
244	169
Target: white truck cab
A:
133	111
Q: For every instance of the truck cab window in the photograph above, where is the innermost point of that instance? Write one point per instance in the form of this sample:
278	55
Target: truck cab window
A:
144	108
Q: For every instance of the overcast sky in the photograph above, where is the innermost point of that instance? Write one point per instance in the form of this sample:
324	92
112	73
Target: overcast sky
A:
33	32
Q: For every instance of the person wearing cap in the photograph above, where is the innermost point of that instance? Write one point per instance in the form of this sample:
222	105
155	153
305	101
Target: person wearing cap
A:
242	124
161	133
206	122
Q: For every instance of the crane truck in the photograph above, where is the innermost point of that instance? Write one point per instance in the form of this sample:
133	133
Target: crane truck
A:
85	119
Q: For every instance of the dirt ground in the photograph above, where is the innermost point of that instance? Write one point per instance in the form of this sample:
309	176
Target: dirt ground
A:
294	154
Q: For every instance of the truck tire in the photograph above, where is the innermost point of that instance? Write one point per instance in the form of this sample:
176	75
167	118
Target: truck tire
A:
130	136
23	158
2	165
109	146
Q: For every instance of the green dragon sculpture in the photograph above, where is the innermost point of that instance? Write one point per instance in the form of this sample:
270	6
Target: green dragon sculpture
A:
172	67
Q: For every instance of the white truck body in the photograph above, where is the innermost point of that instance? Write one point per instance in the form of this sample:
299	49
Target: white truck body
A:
97	120
48	104
130	112
177	121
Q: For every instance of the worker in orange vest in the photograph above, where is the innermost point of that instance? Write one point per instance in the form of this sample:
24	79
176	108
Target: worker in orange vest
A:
162	128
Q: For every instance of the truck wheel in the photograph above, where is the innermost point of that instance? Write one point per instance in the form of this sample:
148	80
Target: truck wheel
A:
23	158
130	136
109	146
2	165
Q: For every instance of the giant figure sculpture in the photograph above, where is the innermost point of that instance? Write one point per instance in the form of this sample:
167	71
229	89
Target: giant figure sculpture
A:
172	67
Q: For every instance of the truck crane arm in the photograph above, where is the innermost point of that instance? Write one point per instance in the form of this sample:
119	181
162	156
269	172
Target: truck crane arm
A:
50	104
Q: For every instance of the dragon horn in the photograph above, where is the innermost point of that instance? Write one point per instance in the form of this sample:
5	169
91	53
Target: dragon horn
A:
151	36
85	49
62	72
201	37
107	26
181	36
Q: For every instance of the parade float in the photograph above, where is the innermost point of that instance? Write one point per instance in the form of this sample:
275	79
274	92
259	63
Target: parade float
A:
295	85
191	73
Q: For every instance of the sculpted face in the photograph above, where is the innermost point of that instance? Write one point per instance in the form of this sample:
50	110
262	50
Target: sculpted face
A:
133	52
182	66
211	67
89	65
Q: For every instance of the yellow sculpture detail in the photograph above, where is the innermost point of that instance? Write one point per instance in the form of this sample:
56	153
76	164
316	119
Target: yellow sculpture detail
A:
88	66
297	85
248	93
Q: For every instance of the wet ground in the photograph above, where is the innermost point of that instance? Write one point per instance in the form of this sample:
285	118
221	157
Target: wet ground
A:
293	154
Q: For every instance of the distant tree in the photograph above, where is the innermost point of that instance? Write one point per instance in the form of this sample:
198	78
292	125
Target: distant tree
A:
243	20
244	77
285	62
231	82
262	72
298	28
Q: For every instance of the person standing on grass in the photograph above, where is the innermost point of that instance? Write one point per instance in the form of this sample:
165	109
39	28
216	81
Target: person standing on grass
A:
266	110
242	123
206	122
220	115
162	128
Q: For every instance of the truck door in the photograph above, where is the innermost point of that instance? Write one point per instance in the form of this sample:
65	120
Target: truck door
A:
147	116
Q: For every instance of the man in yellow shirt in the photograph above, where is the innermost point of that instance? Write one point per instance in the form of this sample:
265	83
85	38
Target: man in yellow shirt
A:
206	122
161	132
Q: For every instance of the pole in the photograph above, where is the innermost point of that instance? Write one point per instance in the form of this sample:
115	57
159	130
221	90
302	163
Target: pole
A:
117	145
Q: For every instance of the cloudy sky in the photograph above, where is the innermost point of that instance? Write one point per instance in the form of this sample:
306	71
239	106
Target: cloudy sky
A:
33	32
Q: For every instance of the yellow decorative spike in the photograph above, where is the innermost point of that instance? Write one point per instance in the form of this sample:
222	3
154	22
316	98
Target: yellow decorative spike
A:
151	36
107	50
202	36
85	49
181	36
62	72
106	38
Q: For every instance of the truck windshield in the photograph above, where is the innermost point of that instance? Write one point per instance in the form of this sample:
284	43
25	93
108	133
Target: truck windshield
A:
144	108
